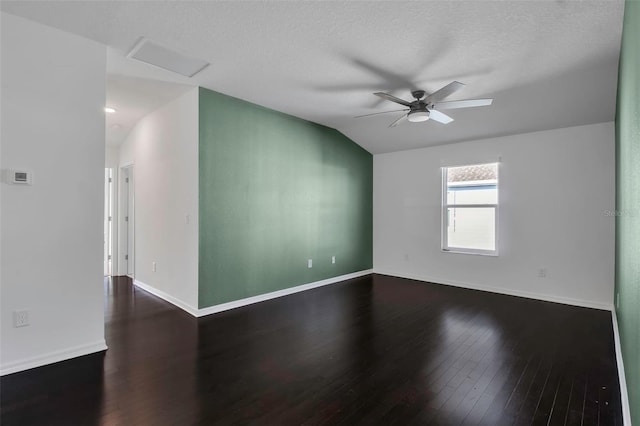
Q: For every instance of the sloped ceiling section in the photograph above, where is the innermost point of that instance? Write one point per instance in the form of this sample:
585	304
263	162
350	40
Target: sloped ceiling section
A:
547	64
133	98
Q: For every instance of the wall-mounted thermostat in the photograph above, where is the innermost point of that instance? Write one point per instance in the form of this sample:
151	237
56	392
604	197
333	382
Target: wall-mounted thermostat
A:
20	177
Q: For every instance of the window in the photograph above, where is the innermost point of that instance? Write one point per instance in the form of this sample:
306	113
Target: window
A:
470	209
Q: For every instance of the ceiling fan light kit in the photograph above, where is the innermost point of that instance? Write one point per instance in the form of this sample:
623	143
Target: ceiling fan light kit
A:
418	116
426	107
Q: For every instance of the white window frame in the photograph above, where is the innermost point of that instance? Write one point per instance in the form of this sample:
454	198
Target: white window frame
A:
444	223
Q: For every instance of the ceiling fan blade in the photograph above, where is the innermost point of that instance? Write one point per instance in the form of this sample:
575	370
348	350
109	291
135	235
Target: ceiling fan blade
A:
392	98
463	104
440	117
447	90
399	120
383	112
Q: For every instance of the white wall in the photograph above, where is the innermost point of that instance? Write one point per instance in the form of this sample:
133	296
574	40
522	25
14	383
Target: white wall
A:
112	157
164	150
555	189
53	92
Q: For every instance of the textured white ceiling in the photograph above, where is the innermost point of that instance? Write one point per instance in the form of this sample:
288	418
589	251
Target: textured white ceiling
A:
547	64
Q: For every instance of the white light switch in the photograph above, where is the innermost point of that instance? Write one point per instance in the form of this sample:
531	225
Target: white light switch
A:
310	263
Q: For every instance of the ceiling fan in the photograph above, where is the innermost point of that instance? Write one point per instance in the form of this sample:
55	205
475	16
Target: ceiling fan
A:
426	107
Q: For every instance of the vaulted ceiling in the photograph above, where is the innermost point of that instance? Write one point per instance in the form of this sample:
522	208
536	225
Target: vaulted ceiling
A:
547	64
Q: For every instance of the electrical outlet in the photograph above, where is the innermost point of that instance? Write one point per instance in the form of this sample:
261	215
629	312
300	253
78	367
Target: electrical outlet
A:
617	300
542	273
154	266
333	259
20	318
310	263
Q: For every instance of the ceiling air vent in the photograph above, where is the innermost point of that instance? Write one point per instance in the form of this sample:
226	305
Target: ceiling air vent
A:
154	54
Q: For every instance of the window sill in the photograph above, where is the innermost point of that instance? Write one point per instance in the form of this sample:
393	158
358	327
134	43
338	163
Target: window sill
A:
475	253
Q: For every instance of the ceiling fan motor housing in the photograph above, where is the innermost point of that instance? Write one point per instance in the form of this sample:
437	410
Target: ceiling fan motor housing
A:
418	94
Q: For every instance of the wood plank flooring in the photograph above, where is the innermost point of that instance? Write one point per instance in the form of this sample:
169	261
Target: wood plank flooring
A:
375	350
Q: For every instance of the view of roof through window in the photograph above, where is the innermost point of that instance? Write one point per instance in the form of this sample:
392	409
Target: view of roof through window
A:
472	173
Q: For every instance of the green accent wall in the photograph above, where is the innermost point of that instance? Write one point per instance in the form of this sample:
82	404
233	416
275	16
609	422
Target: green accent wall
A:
628	203
276	190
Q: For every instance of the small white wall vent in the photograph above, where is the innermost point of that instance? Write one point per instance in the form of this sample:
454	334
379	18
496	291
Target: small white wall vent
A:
154	54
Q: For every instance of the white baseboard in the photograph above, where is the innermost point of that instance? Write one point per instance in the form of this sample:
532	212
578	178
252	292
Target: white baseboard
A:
509	292
624	393
51	357
249	300
167	297
284	292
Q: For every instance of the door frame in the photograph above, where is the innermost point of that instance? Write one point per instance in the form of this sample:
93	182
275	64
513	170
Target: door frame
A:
110	221
126	252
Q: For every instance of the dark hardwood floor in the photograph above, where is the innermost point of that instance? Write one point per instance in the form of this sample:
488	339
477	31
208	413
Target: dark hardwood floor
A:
373	350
